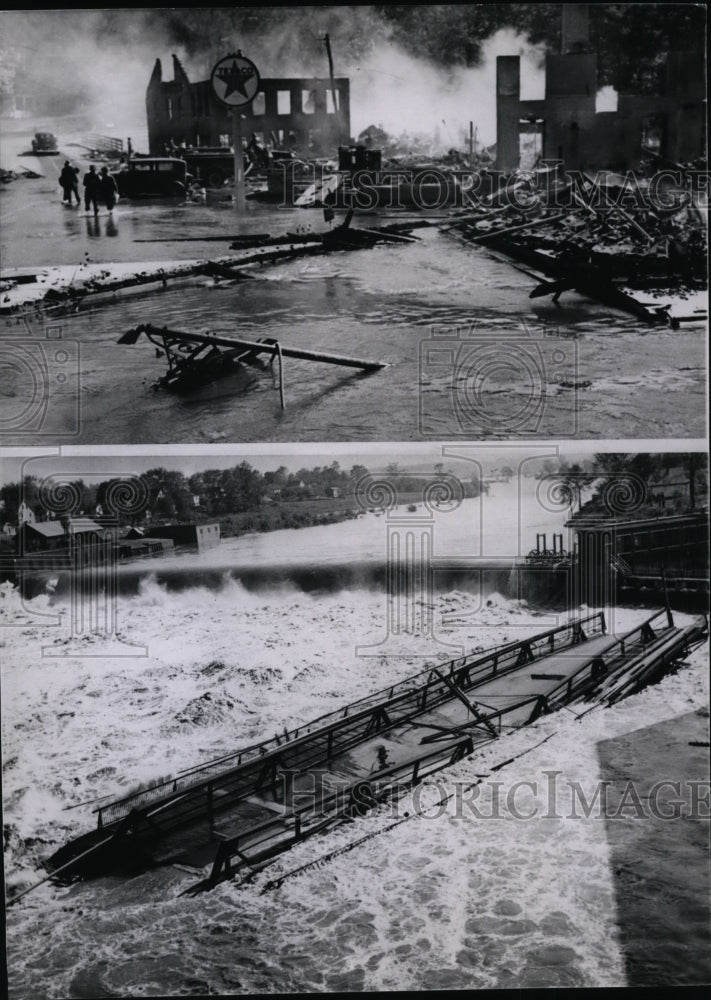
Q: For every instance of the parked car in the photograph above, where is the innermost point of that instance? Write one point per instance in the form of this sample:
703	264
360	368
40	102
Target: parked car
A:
45	144
153	177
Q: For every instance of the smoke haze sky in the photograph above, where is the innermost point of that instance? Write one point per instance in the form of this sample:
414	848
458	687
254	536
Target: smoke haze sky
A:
389	87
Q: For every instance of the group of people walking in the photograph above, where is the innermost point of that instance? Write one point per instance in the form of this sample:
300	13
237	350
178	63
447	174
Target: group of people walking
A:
98	188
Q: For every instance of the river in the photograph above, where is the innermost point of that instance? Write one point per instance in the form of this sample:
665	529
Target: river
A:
433	900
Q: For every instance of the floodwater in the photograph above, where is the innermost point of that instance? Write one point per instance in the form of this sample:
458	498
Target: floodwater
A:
661	865
438	899
476	547
469	354
501	524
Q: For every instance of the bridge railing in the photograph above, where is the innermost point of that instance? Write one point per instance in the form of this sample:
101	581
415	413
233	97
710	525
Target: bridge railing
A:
278	834
102	143
467	672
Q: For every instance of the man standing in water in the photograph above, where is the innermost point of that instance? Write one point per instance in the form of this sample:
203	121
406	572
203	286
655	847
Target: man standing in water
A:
91	189
108	189
68	182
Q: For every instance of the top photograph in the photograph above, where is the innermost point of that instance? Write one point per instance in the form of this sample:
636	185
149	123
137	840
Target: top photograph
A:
366	223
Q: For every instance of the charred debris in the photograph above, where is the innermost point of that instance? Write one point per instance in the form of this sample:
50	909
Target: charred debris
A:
565	235
574	232
605	235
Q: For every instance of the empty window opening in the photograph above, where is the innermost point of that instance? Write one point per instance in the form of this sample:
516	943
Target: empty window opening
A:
530	143
606	100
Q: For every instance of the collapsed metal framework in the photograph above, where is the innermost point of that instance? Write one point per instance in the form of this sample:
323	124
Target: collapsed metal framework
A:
432	719
604	277
195	358
413	694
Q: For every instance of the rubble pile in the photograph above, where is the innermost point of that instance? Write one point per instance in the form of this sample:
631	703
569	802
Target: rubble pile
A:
585	239
12	175
408	148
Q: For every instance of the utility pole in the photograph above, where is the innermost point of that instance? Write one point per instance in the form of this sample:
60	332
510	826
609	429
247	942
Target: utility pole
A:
334	92
334	95
240	202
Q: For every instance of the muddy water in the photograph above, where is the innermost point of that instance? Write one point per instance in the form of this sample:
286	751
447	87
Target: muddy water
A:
470	354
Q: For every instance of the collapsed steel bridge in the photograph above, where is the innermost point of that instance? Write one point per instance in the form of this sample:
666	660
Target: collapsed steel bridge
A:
240	811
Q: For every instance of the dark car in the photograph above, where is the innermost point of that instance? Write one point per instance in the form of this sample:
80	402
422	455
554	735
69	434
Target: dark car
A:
153	177
44	144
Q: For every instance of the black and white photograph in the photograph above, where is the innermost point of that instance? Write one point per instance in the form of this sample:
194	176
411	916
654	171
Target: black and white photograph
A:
305	723
375	223
354	500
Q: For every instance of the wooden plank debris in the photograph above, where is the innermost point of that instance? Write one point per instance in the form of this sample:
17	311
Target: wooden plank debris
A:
597	247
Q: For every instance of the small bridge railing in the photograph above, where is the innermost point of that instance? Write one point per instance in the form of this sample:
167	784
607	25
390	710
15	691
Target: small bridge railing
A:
283	831
102	143
632	643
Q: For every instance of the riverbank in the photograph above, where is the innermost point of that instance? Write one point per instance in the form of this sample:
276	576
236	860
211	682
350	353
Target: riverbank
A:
284	514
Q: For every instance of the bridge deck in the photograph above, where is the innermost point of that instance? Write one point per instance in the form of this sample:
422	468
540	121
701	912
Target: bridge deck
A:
256	802
397	747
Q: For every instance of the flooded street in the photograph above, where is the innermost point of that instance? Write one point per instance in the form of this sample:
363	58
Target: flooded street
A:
435	311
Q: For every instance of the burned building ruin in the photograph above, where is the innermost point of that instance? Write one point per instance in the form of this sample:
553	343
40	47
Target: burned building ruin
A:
304	113
566	125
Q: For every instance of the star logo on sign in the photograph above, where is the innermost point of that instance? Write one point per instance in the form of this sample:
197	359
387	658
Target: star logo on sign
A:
235	78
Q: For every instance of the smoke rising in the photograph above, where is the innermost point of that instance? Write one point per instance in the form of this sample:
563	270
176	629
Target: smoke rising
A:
397	92
96	67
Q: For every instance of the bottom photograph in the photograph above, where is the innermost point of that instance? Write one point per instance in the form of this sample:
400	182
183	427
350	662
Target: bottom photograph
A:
354	718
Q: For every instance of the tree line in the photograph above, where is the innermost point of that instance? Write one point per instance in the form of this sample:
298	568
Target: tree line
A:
166	494
647	483
243	498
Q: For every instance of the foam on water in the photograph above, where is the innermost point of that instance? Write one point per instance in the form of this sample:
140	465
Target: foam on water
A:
435	902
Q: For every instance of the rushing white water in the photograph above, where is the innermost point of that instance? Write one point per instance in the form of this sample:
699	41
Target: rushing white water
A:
438	901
